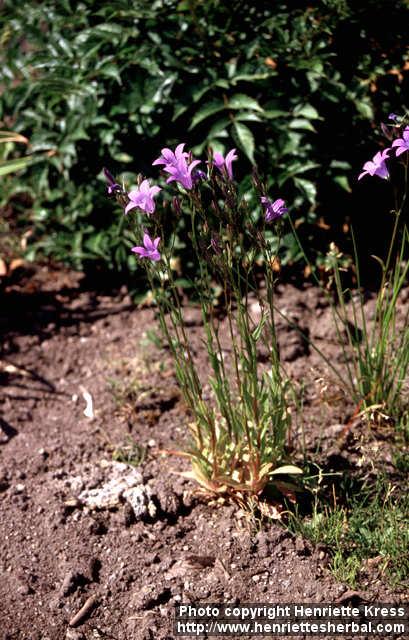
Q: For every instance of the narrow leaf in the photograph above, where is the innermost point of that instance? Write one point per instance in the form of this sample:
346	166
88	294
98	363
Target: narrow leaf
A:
12	136
287	469
14	165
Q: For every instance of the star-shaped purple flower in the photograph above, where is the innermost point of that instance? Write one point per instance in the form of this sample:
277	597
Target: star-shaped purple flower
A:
172	157
402	144
376	166
142	197
177	166
273	210
150	248
222	162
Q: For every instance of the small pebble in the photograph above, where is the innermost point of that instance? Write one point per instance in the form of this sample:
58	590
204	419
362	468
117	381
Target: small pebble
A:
24	590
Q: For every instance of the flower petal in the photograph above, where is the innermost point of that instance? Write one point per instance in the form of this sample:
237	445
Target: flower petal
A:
218	159
179	150
140	250
129	206
278	203
144	186
147	241
133	195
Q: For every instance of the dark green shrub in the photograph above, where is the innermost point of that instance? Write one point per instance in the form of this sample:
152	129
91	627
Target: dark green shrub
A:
295	87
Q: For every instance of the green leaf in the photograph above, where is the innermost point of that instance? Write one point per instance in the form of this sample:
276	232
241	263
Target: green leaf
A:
10	166
110	70
97	244
179	110
108	28
122	157
219	128
340	164
307	111
343	182
256	333
184	283
365	109
247	117
295	168
271	114
251	77
308	187
200	91
301	123
245	140
241	101
223	84
209	109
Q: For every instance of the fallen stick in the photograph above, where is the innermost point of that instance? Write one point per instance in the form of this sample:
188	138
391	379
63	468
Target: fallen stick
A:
84	611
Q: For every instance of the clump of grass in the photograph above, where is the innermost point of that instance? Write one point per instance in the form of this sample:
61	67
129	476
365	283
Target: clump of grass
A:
125	393
375	350
377	361
128	385
370	530
130	452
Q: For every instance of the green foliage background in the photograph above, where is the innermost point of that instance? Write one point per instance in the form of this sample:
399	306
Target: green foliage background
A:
295	86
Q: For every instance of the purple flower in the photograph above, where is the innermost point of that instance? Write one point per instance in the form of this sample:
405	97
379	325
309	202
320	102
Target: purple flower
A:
170	157
273	210
150	248
376	166
222	162
176	164
393	116
198	175
402	144
142	197
112	185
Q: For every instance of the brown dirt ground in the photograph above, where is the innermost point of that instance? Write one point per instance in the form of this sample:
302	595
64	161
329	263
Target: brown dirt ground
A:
59	340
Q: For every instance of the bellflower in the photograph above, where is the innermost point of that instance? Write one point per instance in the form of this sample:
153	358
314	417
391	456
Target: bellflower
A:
177	165
150	248
113	186
273	210
170	157
402	144
142	197
198	175
376	166
222	162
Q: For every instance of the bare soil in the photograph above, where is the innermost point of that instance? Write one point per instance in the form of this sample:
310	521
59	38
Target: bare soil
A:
61	342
